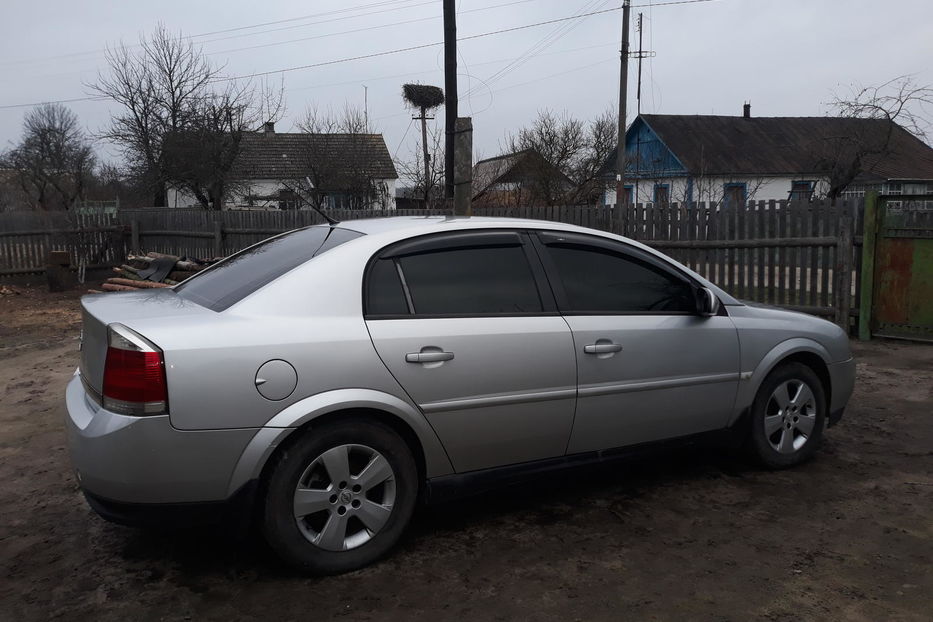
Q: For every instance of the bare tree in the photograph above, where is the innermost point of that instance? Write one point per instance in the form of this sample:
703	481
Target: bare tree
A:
571	149
53	162
203	158
349	178
158	86
426	178
860	147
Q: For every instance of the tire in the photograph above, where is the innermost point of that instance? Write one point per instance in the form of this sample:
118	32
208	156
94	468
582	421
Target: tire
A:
787	426
358	483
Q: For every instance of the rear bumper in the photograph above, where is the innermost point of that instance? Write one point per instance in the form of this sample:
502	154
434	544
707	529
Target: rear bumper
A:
842	382
144	460
234	512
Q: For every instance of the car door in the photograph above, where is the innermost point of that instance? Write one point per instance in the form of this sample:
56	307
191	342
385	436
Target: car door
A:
648	366
467	325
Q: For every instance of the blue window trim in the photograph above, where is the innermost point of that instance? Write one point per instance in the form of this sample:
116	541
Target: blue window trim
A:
689	190
654	195
629	191
735	184
812	182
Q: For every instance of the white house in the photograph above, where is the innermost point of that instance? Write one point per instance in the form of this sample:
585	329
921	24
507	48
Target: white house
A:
705	158
347	171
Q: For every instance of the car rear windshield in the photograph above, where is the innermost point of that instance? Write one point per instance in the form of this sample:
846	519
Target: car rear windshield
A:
238	276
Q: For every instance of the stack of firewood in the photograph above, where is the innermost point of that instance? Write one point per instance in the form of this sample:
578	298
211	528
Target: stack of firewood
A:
129	275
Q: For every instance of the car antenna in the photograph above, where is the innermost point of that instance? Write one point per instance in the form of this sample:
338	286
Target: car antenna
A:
330	220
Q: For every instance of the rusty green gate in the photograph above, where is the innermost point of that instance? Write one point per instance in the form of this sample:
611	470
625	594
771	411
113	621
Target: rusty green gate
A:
897	268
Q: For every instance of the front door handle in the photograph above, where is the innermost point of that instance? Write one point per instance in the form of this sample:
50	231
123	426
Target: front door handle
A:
428	357
602	348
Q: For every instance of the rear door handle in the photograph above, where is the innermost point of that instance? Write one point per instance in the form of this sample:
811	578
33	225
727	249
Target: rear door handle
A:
602	348
428	357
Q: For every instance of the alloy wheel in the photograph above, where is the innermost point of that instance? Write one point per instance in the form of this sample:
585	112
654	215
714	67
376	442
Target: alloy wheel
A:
790	416
344	497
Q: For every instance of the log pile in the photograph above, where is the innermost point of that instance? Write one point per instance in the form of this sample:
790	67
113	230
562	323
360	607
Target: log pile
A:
135	274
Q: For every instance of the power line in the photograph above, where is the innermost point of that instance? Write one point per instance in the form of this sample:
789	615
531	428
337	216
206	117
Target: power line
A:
422	46
374	54
99	52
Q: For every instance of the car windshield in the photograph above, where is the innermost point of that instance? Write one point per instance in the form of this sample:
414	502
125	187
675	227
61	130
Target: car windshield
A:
238	276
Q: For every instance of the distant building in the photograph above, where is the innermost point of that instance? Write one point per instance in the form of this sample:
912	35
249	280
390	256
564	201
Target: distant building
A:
347	171
685	158
520	178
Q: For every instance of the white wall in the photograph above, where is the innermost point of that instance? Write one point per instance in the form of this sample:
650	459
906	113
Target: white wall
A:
271	188
710	189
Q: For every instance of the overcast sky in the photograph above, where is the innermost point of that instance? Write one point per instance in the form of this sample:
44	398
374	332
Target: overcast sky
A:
785	56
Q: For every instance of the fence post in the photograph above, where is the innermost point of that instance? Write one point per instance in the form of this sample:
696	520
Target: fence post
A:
218	238
844	261
870	222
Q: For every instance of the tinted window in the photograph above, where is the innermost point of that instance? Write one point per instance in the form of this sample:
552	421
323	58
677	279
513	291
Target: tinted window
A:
603	282
243	273
469	281
384	294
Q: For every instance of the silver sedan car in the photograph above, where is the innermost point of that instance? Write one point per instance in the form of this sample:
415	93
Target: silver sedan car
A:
327	379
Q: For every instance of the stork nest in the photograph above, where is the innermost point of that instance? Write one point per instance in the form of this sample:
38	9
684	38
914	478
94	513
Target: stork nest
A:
423	95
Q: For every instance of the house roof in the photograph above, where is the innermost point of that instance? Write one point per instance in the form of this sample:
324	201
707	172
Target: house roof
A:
786	145
275	155
509	167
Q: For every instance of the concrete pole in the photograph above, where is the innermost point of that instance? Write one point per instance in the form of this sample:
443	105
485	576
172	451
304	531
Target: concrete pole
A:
623	95
463	167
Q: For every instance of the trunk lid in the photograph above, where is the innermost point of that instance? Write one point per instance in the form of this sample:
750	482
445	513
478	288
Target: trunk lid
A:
132	309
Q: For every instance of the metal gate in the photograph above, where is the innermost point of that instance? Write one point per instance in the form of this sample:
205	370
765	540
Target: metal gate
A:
898	259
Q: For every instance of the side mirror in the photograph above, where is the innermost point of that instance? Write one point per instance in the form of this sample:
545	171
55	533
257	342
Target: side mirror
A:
707	302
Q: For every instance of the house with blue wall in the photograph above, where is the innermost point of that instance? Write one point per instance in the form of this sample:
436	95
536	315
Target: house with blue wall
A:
729	159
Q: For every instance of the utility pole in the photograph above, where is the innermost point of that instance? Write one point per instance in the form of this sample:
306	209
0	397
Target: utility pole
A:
424	118
450	94
623	94
366	105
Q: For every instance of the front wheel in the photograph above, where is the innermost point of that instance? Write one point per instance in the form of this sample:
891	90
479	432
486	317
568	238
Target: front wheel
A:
340	497
787	417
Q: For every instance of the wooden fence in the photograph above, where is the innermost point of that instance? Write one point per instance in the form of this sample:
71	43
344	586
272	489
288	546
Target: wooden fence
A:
802	256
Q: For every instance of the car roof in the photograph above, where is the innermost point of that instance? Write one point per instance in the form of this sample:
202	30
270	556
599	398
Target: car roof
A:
373	226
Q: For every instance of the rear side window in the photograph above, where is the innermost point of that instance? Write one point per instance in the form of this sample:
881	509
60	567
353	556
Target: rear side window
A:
471	281
241	274
596	280
384	293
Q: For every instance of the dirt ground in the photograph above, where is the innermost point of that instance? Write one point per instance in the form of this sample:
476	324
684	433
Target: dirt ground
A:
691	534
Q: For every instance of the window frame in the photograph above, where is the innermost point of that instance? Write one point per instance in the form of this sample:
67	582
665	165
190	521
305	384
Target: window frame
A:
459	240
735	184
805	195
544	238
666	188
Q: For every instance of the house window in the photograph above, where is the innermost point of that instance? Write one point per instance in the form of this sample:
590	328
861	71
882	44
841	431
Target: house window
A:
628	193
734	193
662	193
801	190
894	188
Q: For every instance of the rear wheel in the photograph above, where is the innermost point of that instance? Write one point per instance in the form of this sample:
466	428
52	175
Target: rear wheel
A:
340	497
788	416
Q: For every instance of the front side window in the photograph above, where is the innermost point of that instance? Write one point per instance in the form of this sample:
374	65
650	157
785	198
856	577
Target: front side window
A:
599	281
471	281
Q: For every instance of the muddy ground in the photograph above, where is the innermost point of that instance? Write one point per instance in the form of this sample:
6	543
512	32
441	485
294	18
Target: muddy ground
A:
691	534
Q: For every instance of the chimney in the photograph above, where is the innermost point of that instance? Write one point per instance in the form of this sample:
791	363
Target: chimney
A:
747	110
268	127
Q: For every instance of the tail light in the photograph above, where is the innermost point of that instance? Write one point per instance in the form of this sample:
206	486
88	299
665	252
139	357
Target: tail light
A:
134	374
